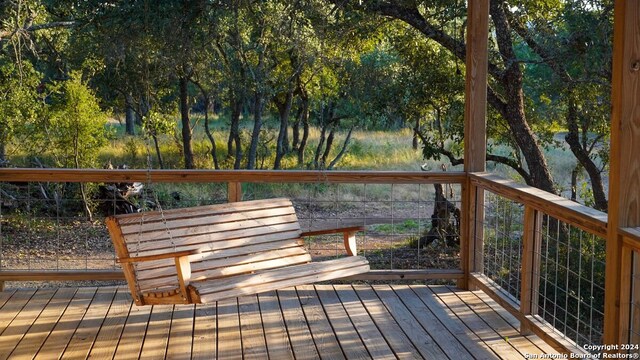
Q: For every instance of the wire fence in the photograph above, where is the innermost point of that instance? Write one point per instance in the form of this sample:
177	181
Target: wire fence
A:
48	226
502	232
571	281
568	268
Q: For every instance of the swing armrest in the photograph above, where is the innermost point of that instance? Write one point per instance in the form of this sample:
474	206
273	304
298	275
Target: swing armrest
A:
347	229
170	255
183	267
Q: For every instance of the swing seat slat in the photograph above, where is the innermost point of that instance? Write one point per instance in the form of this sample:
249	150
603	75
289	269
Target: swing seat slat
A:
208	253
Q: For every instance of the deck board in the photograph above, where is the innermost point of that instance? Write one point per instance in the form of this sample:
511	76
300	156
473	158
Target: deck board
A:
275	332
440	334
475	322
135	327
205	332
87	331
425	344
180	339
157	337
54	347
369	333
307	322
347	335
253	341
297	327
321	331
458	329
107	341
394	335
39	331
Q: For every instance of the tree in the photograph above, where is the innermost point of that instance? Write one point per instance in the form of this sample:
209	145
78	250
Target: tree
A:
76	128
506	88
20	106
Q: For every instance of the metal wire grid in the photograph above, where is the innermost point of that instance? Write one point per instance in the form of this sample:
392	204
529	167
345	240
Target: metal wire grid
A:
502	230
38	233
571	281
47	228
395	216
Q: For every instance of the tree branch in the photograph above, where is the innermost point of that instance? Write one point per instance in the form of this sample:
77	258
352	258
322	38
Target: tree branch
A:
8	34
412	16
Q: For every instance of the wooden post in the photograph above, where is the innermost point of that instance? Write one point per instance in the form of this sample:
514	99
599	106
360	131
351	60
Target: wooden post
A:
624	175
530	272
626	277
475	143
234	191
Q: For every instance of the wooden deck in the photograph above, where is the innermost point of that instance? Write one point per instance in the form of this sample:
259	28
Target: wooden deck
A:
308	322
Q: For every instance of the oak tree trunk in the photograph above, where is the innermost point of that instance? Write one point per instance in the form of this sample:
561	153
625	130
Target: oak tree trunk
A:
186	124
130	115
257	126
284	110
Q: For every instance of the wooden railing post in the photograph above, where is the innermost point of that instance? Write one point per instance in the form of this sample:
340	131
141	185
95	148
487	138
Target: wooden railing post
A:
624	164
475	124
234	191
530	272
476	229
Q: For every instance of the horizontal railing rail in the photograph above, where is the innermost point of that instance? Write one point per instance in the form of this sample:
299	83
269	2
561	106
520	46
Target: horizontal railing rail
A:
248	176
586	218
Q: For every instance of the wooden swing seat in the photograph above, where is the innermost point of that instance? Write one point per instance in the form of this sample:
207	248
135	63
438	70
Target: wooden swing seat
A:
208	253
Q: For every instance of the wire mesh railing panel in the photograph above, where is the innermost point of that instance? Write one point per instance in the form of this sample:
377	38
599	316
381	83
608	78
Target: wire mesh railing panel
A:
402	230
502	232
53	226
570	294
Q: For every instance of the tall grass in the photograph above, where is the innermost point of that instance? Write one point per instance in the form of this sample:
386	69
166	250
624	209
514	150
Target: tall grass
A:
367	150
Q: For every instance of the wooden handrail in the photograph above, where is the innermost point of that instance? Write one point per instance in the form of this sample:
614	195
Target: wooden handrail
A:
573	213
237	176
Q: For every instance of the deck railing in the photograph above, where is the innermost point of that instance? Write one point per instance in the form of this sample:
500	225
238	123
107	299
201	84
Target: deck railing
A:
539	255
543	257
49	236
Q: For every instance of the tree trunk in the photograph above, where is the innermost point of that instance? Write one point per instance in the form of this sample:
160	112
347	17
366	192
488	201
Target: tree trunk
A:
327	148
445	221
186	124
582	154
342	151
416	130
295	142
207	130
513	110
316	158
282	145
158	153
574	183
3	154
130	115
234	145
257	126
304	118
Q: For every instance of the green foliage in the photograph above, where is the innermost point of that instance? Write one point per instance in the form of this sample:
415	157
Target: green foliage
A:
20	105
77	126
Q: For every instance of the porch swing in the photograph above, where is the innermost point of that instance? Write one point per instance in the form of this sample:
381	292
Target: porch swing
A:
208	253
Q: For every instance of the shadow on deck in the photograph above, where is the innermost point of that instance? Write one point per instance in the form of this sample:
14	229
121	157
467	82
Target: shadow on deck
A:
308	322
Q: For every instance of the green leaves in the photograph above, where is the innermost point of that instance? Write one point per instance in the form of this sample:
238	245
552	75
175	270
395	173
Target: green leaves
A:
77	125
